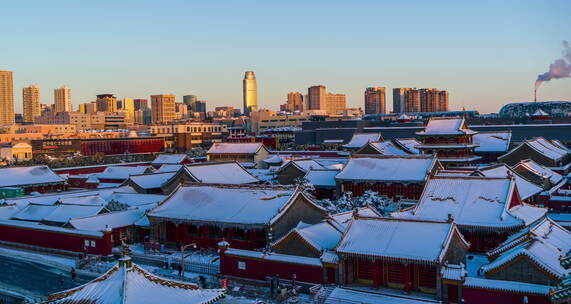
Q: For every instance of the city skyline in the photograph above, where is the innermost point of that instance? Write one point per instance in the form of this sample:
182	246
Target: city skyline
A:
515	43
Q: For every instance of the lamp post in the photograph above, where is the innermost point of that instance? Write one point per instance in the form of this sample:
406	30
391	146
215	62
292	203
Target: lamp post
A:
182	249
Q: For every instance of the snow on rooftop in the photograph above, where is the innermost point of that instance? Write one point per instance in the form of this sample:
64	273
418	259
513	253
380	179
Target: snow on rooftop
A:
168	168
343	295
120	172
56	213
88	200
170	159
221	173
223	204
303	164
526	188
446	126
492	142
472	201
111	220
409	144
7	211
321	236
360	139
501	285
321	177
547	148
136	199
21	176
153	180
388	148
539	170
402	239
388	168
234	148
123	284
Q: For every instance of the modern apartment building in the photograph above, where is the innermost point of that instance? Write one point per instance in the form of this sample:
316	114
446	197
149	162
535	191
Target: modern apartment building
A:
329	103
294	102
141	104
250	93
412	101
375	100
106	103
6	98
31	102
399	99
263	120
62	99
163	108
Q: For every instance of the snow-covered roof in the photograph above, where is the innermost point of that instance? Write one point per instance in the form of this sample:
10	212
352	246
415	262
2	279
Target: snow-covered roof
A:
320	236
151	181
343	219
120	172
136	199
274	159
473	201
410	168
388	148
539	170
56	213
539	112
453	272
510	286
545	147
492	142
168	168
170	159
446	126
409	144
302	164
360	139
276	257
235	148
87	200
6	211
526	188
220	173
545	243
240	205
344	295
21	176
111	220
389	238
132	284
321	177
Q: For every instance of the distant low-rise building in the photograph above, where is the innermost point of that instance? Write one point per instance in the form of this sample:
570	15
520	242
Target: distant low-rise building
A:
247	154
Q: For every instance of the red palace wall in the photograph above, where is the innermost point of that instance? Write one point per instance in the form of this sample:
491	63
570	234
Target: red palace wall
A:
56	240
261	269
409	191
252	239
122	146
95	169
44	189
478	296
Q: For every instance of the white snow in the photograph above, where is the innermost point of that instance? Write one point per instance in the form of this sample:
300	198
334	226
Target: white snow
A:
409	144
220	173
343	295
224	204
546	148
506	286
276	257
412	168
360	139
170	159
446	126
322	177
399	239
112	220
539	170
387	148
153	180
235	148
495	142
22	176
136	199
120	172
526	188
168	168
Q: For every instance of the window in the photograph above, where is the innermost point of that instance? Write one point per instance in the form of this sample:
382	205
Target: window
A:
241	265
92	243
86	243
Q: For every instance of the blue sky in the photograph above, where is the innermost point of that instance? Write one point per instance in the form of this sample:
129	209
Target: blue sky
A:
486	53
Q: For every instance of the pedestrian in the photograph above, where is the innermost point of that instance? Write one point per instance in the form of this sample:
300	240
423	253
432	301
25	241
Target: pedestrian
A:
202	281
73	274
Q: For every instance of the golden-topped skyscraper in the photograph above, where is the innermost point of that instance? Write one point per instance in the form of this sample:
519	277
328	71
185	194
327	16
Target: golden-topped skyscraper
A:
6	98
250	91
31	102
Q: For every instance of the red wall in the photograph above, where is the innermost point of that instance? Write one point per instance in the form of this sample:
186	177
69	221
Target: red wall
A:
95	169
261	269
122	146
44	189
478	296
55	240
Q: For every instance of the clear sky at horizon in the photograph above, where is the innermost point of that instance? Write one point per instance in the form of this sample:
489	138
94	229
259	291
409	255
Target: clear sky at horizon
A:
486	53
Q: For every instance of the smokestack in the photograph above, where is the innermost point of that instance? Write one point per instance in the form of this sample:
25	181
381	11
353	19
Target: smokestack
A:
560	68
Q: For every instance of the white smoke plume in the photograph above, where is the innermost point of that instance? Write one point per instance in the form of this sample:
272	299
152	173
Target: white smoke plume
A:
560	68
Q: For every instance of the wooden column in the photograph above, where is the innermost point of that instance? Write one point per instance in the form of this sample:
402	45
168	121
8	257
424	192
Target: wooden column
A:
375	266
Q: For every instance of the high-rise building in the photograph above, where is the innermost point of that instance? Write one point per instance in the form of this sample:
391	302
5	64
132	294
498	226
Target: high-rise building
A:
375	100
106	103
128	106
429	100
443	101
62	99
250	92
6	98
163	108
141	104
198	106
412	101
294	102
335	103
399	99
31	102
143	116
189	99
316	98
